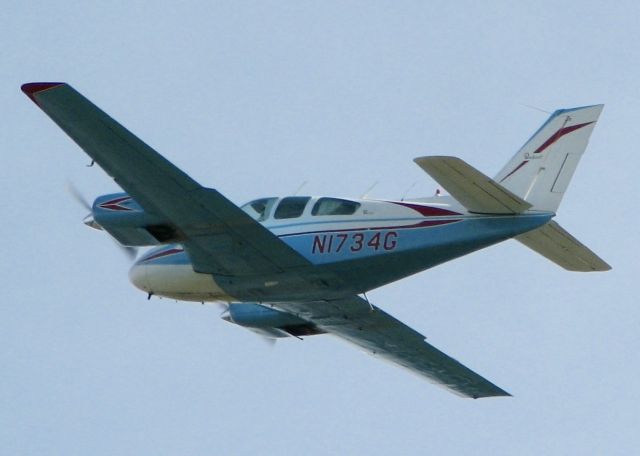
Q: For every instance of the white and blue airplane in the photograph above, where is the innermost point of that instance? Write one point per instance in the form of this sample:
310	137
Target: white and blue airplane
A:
300	265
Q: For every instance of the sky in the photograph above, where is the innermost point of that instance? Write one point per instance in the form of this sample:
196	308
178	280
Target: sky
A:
255	99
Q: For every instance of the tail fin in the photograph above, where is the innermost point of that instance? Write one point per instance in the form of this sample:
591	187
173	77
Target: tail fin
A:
541	170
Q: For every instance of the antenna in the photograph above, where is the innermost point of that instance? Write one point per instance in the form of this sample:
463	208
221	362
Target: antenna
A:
365	194
300	188
404	195
534	108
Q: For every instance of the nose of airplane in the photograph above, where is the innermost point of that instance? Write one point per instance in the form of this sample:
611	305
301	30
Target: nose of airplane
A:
138	276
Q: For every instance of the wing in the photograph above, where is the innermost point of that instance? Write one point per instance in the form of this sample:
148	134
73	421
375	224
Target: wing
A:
475	191
384	336
219	237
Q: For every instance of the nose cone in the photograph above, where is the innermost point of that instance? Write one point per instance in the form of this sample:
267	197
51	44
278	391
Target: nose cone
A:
138	276
226	316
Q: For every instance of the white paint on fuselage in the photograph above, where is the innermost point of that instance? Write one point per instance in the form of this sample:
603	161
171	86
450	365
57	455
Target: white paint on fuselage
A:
371	214
177	282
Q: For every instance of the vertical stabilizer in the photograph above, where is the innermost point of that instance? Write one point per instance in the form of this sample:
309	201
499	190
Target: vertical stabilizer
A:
541	170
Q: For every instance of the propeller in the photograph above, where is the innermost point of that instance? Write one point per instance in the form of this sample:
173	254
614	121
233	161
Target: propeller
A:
130	252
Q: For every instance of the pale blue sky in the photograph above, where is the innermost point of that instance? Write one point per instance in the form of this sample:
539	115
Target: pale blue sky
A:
253	98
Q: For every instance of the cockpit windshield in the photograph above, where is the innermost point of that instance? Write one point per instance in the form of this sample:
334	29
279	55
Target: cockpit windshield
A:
259	209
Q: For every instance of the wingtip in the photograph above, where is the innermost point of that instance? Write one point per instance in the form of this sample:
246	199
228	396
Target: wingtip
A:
502	393
32	88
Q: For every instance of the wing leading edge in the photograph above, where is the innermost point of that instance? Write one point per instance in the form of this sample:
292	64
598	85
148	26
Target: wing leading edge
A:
382	335
220	237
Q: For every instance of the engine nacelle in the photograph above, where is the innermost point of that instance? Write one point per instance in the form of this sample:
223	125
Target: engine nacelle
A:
267	321
124	219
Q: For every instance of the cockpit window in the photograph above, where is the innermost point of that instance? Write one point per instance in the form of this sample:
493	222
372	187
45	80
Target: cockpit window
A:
291	207
334	206
259	209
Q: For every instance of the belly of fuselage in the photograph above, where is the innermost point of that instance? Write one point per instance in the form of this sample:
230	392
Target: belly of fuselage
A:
177	281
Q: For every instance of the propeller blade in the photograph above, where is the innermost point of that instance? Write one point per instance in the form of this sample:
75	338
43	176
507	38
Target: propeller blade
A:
75	193
130	252
269	341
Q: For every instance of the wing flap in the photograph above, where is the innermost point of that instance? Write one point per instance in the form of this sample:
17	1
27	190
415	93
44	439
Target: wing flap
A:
556	244
382	335
218	235
474	190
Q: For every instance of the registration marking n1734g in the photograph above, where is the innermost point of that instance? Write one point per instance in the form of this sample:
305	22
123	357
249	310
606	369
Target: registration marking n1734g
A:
354	242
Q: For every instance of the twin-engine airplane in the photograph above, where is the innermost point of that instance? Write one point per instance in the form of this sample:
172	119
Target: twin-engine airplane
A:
296	266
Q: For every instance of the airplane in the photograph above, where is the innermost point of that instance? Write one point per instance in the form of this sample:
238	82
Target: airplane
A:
299	266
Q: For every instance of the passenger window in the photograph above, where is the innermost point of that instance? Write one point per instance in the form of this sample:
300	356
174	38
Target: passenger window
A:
259	209
291	207
334	206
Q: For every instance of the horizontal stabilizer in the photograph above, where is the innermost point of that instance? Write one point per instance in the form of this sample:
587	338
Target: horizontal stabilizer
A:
475	191
557	245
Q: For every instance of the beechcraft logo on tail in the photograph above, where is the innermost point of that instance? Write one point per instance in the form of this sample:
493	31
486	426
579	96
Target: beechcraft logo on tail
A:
537	154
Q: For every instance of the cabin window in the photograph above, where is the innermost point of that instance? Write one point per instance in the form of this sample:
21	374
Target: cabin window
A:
259	209
291	207
334	206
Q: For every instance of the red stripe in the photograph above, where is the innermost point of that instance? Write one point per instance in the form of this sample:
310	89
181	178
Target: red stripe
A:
559	134
552	139
422	224
517	168
427	211
115	207
117	200
32	88
114	204
163	254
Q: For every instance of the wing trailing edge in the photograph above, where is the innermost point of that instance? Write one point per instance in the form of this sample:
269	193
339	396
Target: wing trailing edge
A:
380	334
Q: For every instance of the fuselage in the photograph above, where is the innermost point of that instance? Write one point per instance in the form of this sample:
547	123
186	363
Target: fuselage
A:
366	243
